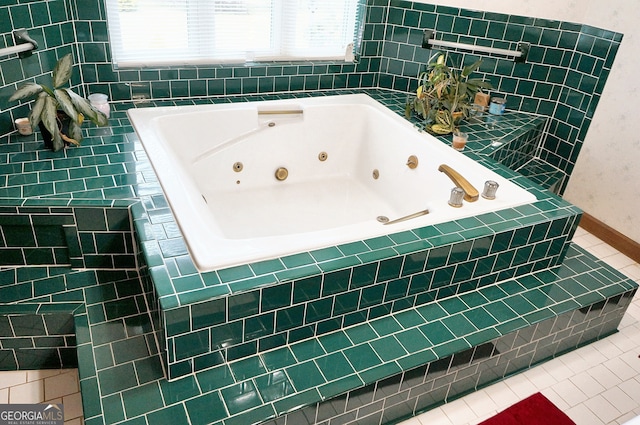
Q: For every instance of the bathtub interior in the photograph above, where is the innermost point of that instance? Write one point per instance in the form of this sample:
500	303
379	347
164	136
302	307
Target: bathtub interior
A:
248	215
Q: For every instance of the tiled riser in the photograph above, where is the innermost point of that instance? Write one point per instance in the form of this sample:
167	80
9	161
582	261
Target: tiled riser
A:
97	238
204	334
425	387
123	383
35	341
39	331
523	149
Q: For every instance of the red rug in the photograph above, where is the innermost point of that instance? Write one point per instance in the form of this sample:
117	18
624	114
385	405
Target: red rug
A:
533	410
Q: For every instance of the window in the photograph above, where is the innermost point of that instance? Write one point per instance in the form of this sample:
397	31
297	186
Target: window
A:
166	32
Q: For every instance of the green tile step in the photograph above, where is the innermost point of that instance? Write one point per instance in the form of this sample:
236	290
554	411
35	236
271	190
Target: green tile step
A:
546	175
122	380
41	309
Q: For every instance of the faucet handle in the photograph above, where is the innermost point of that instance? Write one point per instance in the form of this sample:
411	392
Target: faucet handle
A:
490	188
456	197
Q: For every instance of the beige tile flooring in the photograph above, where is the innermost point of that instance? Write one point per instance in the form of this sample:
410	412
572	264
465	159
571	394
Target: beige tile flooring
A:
44	386
595	385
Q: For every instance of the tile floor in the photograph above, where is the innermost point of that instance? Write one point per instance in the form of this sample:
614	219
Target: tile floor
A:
596	385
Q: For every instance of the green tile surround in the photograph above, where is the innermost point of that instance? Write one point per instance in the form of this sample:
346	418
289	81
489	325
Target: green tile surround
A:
116	331
563	78
408	362
172	278
86	236
122	372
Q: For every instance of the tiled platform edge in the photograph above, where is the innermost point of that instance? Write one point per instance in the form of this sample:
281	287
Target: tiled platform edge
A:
38	326
370	373
121	369
383	369
93	236
424	265
73	207
36	336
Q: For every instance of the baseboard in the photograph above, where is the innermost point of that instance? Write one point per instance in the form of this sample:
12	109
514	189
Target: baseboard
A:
622	243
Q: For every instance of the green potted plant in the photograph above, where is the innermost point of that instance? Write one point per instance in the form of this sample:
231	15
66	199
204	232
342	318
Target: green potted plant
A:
445	94
58	111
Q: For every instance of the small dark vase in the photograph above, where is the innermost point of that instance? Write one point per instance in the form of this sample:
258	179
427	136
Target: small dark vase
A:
63	125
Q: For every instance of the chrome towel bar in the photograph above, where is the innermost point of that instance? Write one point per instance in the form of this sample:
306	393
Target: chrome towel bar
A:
519	55
24	45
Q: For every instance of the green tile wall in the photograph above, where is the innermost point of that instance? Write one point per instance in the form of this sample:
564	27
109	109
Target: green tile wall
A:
563	77
51	25
40	309
98	238
250	322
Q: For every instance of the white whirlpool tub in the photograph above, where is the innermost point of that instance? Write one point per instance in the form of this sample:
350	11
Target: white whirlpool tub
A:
344	162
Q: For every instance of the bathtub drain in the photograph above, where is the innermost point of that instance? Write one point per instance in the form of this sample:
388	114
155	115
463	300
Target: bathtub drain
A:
382	219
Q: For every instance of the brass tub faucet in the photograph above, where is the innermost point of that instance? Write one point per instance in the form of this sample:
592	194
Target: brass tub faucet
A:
471	194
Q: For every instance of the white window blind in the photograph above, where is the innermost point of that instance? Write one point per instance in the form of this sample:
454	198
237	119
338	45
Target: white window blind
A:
172	32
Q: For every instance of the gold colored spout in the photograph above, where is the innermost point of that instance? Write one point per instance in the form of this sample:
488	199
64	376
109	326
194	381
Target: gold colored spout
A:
471	194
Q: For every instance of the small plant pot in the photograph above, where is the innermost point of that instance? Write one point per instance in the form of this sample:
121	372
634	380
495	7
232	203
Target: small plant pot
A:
63	124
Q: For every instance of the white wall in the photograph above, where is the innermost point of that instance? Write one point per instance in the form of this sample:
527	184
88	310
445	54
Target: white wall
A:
606	180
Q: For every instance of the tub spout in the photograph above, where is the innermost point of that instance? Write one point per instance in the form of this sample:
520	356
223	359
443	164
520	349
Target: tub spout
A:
471	194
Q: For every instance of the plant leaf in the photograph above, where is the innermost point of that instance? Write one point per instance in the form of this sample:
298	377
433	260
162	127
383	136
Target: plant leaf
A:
75	133
65	103
62	71
36	110
48	116
468	70
50	121
83	106
57	141
477	82
27	90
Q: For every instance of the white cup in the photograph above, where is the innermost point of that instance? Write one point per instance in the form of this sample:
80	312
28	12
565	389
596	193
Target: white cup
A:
24	126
